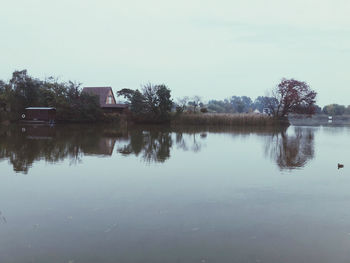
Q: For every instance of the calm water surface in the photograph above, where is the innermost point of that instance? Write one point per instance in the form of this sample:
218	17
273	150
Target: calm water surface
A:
105	194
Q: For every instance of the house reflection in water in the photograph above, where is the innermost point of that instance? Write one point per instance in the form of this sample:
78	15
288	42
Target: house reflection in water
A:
104	147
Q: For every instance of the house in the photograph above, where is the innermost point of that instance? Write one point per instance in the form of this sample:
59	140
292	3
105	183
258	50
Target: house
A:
107	99
40	114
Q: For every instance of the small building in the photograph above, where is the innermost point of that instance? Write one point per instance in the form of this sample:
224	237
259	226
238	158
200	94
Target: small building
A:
106	99
267	111
41	114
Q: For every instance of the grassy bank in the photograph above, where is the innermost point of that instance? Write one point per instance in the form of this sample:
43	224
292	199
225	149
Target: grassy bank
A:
211	119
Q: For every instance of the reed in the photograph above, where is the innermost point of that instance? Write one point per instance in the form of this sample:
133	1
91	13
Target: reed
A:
217	119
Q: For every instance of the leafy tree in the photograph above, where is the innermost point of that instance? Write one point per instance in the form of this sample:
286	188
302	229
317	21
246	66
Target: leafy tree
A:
232	105
151	98
137	103
237	104
216	106
126	93
318	109
241	104
2	95
334	109
262	102
88	107
25	90
248	103
164	101
221	106
292	96
153	103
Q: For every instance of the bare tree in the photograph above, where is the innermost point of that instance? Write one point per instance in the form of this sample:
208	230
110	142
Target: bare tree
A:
195	102
182	102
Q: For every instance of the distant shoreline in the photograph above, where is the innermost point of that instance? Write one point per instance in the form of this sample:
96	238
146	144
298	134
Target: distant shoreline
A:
320	120
227	120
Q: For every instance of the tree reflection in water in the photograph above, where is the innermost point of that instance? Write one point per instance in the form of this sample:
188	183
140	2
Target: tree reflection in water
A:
24	145
152	145
192	143
291	151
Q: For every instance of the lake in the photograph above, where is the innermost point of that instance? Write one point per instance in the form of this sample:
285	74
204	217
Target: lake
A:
85	193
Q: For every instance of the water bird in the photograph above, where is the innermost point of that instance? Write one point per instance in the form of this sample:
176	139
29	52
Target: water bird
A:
340	165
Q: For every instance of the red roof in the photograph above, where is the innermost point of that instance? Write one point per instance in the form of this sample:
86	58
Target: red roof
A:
102	93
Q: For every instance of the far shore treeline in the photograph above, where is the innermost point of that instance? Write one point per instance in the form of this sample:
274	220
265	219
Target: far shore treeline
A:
23	91
153	103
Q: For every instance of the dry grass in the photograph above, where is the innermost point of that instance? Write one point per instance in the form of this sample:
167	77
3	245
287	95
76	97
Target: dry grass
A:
211	119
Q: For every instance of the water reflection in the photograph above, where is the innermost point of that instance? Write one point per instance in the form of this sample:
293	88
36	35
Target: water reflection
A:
23	146
153	145
2	218
291	151
195	145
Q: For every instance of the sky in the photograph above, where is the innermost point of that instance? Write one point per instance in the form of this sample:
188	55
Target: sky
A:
214	49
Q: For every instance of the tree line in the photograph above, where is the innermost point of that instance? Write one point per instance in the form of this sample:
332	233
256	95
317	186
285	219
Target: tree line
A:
154	102
150	103
335	109
23	90
244	104
289	96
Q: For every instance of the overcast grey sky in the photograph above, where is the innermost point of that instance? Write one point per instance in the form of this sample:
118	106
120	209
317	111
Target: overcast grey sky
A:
215	49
